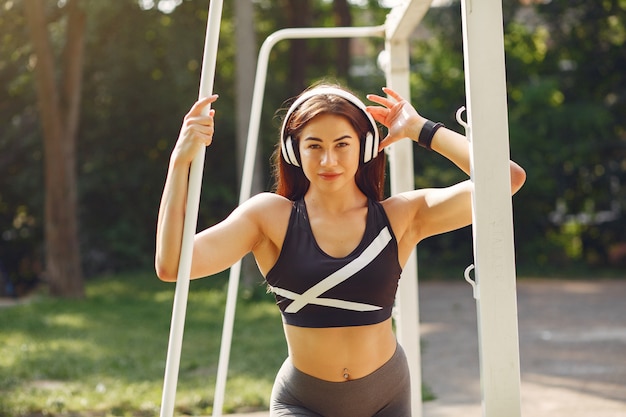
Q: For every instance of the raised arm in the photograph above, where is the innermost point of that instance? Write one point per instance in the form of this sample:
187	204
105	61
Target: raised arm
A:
258	225
219	246
435	210
195	133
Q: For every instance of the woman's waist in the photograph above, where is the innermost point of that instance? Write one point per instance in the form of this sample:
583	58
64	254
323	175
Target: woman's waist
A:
343	353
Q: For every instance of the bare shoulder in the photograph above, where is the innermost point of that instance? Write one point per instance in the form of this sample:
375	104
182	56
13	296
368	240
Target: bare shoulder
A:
402	211
267	205
271	214
431	211
402	205
263	213
257	225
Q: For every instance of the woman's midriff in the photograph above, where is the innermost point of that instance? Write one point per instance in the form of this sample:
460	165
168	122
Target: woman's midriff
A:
341	353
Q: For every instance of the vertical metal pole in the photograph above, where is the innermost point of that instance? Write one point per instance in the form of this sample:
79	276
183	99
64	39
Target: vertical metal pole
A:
485	82
174	349
401	179
244	194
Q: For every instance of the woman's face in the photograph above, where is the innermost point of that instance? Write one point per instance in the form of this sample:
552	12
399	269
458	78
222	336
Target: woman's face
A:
329	152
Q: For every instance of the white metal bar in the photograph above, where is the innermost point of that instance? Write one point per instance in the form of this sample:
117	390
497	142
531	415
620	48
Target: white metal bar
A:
181	293
400	24
261	76
404	18
248	170
485	81
401	179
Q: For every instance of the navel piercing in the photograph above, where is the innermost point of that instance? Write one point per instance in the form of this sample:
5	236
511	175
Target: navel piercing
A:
346	374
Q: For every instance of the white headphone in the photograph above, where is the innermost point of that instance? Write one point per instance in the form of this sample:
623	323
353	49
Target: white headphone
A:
369	146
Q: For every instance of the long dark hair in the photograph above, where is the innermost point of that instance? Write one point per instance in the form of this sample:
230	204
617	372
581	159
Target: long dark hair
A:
290	181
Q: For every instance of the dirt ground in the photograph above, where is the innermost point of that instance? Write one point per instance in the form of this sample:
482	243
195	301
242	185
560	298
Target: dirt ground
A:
572	348
572	338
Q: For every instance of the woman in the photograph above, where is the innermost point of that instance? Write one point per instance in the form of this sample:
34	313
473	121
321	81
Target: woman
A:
331	249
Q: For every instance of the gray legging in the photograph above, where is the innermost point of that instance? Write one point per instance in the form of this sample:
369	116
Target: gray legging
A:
386	392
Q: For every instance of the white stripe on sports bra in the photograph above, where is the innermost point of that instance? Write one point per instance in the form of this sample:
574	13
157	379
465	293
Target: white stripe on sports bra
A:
327	302
311	296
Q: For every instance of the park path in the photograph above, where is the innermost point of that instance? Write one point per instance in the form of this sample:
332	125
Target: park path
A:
572	348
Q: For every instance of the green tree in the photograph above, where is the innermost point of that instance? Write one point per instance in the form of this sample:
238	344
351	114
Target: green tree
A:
566	97
21	202
568	104
59	108
141	74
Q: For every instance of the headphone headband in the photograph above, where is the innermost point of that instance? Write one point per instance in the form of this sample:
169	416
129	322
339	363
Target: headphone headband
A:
369	146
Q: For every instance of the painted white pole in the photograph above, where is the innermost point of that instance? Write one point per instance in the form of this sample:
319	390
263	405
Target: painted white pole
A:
487	119
174	349
248	170
401	179
400	25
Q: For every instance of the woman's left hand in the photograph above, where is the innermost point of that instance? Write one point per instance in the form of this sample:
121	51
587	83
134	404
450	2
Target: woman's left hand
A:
399	117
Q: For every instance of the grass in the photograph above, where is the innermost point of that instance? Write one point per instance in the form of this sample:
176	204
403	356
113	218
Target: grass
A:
105	355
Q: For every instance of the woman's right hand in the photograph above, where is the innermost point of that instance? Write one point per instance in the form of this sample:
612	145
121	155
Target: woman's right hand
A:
196	131
397	115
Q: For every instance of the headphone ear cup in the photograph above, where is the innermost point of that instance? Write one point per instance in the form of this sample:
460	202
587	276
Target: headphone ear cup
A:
290	154
375	144
368	151
283	150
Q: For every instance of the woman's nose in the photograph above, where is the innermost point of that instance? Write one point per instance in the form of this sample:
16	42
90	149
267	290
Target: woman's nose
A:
329	158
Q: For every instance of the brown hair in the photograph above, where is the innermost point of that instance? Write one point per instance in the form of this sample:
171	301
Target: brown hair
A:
290	181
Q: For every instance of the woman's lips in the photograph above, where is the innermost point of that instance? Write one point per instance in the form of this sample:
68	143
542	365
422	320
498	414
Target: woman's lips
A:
329	175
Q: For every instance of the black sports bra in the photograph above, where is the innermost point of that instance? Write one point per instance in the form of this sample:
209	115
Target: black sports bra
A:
313	289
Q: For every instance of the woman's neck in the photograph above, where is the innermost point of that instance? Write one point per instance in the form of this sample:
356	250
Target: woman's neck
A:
336	202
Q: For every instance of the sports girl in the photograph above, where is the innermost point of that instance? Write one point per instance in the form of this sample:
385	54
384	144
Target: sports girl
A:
330	247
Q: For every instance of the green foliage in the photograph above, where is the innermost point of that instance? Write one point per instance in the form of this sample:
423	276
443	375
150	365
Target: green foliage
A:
566	101
21	202
105	355
566	92
143	69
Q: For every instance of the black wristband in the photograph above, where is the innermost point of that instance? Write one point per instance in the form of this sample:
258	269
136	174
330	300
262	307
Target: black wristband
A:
427	133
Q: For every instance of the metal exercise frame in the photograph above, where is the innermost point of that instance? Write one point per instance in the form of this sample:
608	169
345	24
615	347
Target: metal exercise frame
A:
486	128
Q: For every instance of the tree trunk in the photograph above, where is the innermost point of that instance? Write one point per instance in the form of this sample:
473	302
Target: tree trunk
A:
59	109
343	18
245	72
299	15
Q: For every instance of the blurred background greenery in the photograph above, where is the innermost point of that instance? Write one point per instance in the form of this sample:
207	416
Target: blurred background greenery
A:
104	355
124	73
140	71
